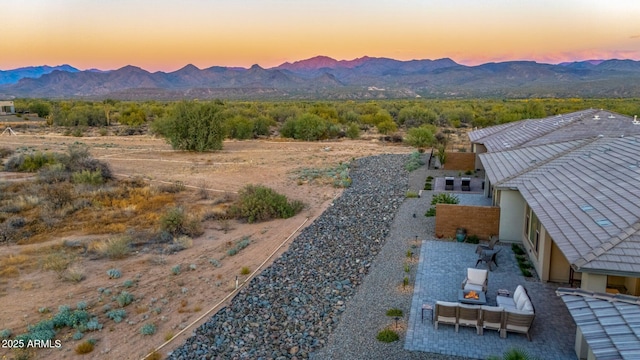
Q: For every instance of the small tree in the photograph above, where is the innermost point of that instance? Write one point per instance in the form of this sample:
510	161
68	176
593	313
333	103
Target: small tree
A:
421	137
386	127
193	126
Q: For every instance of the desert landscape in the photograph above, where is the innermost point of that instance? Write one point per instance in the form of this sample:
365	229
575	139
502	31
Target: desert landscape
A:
170	289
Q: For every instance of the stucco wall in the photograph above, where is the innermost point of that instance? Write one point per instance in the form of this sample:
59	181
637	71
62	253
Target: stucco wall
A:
482	221
512	205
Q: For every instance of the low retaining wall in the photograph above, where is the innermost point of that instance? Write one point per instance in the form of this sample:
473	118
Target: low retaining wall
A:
482	221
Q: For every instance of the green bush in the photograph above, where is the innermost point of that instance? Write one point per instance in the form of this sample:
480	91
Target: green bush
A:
192	126
148	329
394	312
387	335
473	239
88	177
517	249
113	273
4	152
411	194
421	137
308	127
124	298
117	315
444	198
260	203
173	220
29	162
353	131
431	212
414	161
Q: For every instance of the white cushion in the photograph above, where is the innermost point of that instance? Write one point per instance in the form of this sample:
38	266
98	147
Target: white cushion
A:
506	302
520	302
477	276
527	306
518	292
447	303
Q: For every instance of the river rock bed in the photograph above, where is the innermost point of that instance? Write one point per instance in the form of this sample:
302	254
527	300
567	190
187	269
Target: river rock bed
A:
290	308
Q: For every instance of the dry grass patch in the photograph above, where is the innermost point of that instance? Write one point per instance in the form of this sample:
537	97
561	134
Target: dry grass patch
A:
113	248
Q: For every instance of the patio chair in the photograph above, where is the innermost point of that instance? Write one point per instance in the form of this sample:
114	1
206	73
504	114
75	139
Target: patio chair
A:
517	321
466	184
492	318
493	240
446	313
469	315
476	280
488	257
448	183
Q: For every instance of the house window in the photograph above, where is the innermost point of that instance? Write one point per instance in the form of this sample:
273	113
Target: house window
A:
527	219
534	231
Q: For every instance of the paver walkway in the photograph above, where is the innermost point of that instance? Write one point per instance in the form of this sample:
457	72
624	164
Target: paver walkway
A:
442	268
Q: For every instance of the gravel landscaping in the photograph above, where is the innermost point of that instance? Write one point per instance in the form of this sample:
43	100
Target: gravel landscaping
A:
291	308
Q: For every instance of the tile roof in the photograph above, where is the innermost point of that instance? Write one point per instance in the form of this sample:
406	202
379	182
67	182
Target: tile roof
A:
502	165
585	198
609	323
560	128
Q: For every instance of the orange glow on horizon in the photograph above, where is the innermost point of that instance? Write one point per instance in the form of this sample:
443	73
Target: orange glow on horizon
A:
110	35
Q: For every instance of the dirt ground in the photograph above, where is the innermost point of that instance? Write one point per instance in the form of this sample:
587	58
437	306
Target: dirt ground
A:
173	302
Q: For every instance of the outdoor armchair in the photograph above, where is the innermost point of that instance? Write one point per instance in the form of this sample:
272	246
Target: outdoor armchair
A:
477	280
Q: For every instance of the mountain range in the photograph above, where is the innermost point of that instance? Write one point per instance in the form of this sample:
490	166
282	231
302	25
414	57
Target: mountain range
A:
322	77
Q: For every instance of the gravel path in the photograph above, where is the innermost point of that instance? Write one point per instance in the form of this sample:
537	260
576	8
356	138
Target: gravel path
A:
355	336
290	309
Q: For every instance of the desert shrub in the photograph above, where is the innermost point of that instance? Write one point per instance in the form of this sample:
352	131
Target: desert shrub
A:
192	126
5	152
5	333
394	312
128	283
88	177
421	137
431	212
387	335
29	162
74	273
93	325
84	347
114	248
77	335
182	242
308	127
427	186
411	194
176	222
245	270
114	273
117	315
215	262
353	131
53	173
444	198
260	203
148	329
176	269
124	298
239	128
172	188
414	161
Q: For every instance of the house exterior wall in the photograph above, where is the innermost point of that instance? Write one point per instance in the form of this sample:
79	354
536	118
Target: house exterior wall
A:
481	221
7	107
559	265
512	207
479	149
460	161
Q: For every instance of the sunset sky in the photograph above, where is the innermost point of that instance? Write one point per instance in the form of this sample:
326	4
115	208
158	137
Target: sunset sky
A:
166	35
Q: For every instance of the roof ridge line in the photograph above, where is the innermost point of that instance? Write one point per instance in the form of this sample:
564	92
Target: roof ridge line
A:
613	241
549	159
579	117
628	299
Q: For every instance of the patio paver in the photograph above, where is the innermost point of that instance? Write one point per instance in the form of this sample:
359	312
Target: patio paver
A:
442	268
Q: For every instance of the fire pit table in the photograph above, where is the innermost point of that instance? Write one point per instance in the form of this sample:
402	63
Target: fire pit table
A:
480	300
